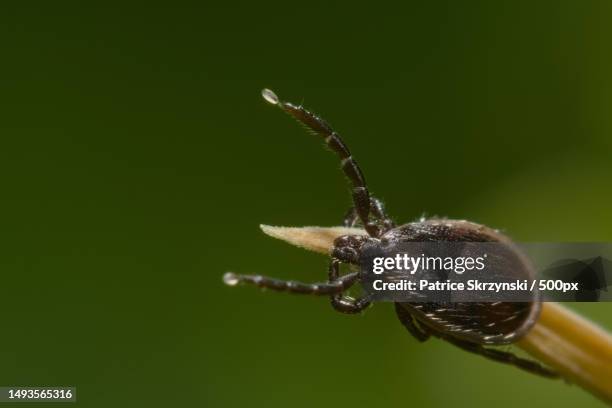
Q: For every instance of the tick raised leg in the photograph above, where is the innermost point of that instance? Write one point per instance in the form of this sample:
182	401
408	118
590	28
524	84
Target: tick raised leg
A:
378	211
361	196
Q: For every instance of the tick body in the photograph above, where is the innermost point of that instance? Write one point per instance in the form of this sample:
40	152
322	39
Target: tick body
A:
471	326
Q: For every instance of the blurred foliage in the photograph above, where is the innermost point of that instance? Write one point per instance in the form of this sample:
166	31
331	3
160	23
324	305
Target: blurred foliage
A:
138	160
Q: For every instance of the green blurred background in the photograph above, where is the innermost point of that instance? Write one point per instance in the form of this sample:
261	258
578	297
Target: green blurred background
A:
138	159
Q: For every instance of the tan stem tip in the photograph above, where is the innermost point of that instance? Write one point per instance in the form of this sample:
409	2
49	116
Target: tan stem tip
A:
317	239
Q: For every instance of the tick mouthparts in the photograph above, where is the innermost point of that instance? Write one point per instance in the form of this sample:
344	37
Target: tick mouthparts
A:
270	96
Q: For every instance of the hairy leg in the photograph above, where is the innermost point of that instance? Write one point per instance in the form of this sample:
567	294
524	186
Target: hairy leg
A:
407	320
361	195
320	289
385	223
341	302
503	357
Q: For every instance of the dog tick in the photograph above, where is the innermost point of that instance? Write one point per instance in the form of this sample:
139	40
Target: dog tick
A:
472	326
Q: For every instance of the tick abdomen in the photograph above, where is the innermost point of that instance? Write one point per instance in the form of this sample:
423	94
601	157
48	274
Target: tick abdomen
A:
479	322
444	230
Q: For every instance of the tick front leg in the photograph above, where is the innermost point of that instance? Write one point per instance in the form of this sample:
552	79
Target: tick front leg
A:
319	289
504	357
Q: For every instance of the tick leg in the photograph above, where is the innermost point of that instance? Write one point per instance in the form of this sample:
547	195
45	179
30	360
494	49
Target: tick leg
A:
343	303
408	321
503	357
350	218
361	196
378	210
319	289
348	305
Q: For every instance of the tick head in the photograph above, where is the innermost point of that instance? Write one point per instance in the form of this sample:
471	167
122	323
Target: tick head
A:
347	248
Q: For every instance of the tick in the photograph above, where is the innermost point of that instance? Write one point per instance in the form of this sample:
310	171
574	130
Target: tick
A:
474	327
